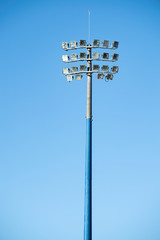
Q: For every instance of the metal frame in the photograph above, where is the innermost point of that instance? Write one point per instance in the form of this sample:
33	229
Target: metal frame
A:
94	71
88	47
88	152
89	59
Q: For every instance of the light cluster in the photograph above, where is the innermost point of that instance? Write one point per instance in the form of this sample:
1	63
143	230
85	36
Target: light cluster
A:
109	76
83	68
89	56
95	56
83	43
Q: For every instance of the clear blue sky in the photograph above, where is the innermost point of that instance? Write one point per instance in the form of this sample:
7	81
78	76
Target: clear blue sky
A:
42	122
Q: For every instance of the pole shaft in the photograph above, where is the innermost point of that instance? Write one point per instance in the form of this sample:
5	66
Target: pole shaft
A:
88	158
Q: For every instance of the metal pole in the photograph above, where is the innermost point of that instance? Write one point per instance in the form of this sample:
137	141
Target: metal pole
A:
88	157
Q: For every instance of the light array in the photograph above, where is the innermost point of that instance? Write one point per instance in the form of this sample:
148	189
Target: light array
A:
82	69
102	71
95	56
83	43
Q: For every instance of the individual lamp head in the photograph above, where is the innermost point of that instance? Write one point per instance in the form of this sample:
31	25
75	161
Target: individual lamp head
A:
95	55
96	67
69	78
74	69
74	56
82	43
65	45
65	58
96	43
105	55
105	68
100	76
115	56
82	67
66	70
78	77
82	55
73	44
114	44
109	76
114	69
105	43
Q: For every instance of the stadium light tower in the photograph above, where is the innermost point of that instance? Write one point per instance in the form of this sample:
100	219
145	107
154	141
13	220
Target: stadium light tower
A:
88	57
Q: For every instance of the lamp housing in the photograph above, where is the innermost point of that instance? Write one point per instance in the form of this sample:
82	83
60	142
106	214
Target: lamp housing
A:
95	55
100	76
82	43
73	44
69	78
105	43
78	77
74	69
96	67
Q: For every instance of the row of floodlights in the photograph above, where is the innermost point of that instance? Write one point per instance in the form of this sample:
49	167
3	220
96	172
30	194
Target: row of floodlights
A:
109	76
82	68
95	55
82	43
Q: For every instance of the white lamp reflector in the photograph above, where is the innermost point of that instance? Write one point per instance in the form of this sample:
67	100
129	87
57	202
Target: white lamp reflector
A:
96	67
74	56
100	76
105	43
65	45
82	43
65	58
114	69
69	78
78	77
115	56
66	70
105	55
74	69
109	76
82	55
95	55
96	43
82	67
105	68
73	44
114	44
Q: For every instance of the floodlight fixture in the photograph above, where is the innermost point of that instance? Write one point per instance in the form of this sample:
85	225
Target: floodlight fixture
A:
114	44
65	45
96	43
109	76
78	77
114	69
66	70
105	43
82	55
82	43
82	67
96	67
74	56
105	55
73	44
105	68
115	56
65	58
100	76
69	78
74	69
95	55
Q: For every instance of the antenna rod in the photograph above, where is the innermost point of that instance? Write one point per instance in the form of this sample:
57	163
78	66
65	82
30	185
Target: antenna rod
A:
89	27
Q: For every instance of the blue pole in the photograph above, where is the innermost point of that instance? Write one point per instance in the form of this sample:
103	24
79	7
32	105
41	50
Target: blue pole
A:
88	182
88	157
